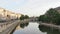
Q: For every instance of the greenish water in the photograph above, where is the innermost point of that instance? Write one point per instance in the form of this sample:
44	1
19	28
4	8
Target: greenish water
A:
35	28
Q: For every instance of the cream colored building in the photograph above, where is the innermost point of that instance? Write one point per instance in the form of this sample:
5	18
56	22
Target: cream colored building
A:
18	15
5	14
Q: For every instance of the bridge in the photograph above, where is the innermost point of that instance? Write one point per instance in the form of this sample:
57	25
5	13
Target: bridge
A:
8	27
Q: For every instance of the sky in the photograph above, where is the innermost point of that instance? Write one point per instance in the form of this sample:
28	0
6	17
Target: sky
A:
29	7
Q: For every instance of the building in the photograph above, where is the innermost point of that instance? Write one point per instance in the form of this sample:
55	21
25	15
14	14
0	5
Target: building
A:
8	15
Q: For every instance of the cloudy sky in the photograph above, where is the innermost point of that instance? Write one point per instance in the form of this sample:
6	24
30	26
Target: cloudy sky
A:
29	7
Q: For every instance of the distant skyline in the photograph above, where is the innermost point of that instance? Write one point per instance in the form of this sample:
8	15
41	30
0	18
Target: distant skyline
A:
29	7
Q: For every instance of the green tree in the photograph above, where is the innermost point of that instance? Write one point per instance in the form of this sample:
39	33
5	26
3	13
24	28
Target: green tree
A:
22	17
44	18
26	16
51	16
41	18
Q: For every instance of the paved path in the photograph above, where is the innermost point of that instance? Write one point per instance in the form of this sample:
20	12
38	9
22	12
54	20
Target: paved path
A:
4	25
50	25
7	28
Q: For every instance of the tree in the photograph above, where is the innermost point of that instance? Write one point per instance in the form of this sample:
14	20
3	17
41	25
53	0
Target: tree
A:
51	16
52	13
41	18
44	18
22	17
26	16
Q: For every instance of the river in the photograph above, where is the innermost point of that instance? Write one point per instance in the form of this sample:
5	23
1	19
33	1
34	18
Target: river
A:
34	28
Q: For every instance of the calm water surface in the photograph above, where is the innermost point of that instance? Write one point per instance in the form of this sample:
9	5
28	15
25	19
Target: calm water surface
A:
34	28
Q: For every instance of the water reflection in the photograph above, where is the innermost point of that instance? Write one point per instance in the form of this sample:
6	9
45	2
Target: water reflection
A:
48	30
29	28
22	25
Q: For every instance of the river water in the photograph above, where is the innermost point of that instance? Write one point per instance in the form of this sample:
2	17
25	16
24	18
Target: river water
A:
34	28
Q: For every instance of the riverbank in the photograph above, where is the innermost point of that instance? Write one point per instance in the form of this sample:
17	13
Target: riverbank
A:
50	25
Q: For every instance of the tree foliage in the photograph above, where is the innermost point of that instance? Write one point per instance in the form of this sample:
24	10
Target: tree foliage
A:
51	16
24	17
